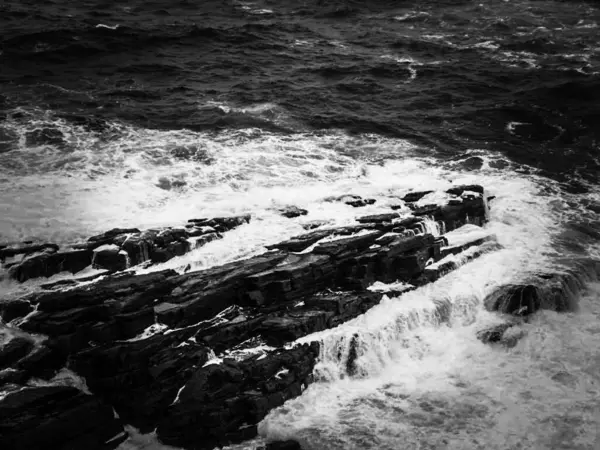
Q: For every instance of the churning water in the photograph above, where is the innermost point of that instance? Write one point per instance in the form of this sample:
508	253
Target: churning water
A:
149	113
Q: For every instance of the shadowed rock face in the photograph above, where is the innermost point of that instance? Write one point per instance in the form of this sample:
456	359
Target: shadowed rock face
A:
57	417
222	401
199	383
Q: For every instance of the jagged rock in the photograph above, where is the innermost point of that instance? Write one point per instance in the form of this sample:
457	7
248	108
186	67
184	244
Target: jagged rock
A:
134	291
438	269
141	378
292	211
222	224
48	264
14	349
138	248
170	250
109	257
303	241
358	203
222	403
415	196
378	218
73	282
274	298
14	308
108	236
205	239
289	327
459	248
343	305
201	295
111	309
458	190
8	252
343	246
57	417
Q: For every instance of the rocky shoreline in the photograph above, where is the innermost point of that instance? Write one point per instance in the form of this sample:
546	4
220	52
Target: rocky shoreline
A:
202	357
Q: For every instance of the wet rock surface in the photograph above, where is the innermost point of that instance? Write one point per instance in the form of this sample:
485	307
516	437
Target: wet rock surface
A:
57	417
203	356
557	290
116	249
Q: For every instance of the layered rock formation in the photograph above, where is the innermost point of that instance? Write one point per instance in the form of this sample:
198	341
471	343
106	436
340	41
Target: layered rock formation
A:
114	250
203	356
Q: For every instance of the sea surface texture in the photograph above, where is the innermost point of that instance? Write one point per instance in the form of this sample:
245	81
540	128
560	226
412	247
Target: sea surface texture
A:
146	113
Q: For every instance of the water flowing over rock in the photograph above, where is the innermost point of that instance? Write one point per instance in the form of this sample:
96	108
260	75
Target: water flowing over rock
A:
554	290
204	356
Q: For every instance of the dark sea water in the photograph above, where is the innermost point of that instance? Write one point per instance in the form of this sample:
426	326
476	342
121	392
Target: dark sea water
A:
144	113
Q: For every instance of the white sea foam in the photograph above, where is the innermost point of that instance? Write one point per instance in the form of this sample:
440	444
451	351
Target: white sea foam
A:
420	376
417	350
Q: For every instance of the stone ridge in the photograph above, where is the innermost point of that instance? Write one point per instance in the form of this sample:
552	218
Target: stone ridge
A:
202	357
116	249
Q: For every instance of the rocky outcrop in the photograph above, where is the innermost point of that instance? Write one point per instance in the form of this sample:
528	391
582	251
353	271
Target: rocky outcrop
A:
116	249
110	309
141	378
554	290
292	211
222	403
57	417
11	309
203	356
48	264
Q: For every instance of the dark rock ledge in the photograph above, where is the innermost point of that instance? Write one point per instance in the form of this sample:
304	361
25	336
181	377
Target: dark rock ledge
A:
199	380
114	250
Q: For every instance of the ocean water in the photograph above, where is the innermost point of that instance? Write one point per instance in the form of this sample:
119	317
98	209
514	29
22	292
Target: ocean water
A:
150	113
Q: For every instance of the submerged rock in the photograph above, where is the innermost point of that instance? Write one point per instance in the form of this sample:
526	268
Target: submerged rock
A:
472	163
292	211
355	201
557	291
